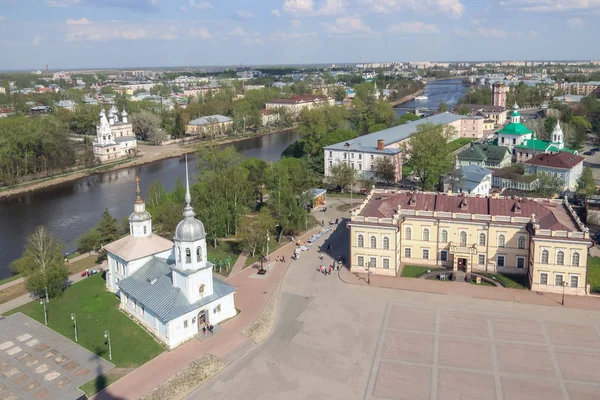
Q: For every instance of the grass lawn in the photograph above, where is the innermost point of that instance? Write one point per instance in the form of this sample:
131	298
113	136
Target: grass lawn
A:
460	142
346	207
508	281
593	274
346	195
272	247
12	278
97	311
407	169
412	271
224	249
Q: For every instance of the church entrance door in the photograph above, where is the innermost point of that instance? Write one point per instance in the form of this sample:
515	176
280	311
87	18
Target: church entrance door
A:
201	320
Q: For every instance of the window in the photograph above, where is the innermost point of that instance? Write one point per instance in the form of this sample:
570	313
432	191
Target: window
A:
481	259
185	324
372	157
331	163
425	254
330	154
198	254
501	241
520	262
201	288
344	156
142	310
134	305
463	238
352	165
178	254
482	239
188	255
558	280
545	256
521	242
360	241
359	166
386	263
543	278
360	261
360	156
444	236
217	309
426	235
574	281
443	255
560	258
373	242
500	261
407	234
373	262
386	243
575	260
351	155
145	230
407	252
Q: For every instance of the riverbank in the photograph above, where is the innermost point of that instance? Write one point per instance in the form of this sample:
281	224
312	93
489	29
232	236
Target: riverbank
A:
406	99
147	154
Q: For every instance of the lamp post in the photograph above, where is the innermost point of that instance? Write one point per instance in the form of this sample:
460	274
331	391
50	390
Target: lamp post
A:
74	319
562	302
268	239
107	337
43	302
369	273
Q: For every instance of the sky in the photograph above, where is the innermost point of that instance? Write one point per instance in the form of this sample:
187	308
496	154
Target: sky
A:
71	34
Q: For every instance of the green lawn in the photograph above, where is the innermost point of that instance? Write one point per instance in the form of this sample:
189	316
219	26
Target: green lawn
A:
225	249
407	169
593	274
460	142
508	281
97	311
345	195
12	278
412	271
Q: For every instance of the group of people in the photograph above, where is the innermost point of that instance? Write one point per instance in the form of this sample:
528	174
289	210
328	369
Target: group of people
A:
208	327
280	259
326	270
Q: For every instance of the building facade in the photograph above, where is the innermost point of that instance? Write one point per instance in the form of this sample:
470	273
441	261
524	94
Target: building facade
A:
499	95
168	287
564	165
212	125
541	239
529	148
114	137
471	179
296	104
484	155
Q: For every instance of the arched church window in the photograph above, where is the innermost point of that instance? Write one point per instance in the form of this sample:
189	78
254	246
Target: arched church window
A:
188	255
178	254
103	137
198	254
145	230
201	289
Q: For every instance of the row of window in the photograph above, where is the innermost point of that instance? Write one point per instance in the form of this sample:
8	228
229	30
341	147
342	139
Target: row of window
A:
559	280
463	237
372	263
360	242
351	164
500	259
188	255
560	258
352	155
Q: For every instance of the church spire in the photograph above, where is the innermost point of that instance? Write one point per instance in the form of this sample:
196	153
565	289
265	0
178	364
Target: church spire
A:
188	211
138	192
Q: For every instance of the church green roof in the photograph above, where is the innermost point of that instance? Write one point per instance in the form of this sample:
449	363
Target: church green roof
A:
542	145
515	129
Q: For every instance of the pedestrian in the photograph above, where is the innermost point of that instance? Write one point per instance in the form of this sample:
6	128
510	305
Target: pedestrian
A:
282	258
329	247
330	270
87	272
204	330
211	329
277	259
321	256
319	269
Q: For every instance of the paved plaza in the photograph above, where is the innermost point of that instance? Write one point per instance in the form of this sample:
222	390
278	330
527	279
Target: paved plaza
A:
334	340
38	363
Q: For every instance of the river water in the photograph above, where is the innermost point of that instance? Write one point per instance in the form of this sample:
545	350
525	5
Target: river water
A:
449	91
71	209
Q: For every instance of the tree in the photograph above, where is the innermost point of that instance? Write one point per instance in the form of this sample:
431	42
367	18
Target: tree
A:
339	94
89	241
549	125
550	185
385	169
145	124
254	232
586	185
407	117
108	228
443	107
42	264
428	151
463	109
342	176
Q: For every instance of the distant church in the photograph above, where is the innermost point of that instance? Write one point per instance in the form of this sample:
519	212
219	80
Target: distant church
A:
168	286
114	138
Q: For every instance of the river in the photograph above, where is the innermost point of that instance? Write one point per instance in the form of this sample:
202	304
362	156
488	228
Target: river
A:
72	208
447	90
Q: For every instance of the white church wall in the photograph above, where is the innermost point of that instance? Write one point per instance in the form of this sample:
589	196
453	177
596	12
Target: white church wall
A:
182	331
227	309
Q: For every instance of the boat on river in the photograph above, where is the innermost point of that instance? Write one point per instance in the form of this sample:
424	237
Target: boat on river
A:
421	97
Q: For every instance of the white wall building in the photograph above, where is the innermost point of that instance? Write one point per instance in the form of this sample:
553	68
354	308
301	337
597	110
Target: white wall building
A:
168	286
565	165
114	138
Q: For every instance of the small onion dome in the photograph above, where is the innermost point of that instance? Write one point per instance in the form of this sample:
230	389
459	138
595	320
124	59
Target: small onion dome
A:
140	216
190	230
110	114
124	113
102	112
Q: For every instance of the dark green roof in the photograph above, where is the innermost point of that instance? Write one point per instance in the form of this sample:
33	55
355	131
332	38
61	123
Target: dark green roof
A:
515	129
484	152
542	145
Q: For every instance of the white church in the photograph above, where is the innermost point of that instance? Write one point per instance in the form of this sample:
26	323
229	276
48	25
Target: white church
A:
114	137
168	286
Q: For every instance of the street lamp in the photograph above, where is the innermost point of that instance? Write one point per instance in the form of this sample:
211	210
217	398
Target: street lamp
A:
43	302
268	239
369	273
107	337
74	319
562	302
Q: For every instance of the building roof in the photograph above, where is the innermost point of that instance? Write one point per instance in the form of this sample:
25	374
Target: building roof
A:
542	145
475	108
515	129
467	177
299	99
563	160
484	152
132	248
549	214
210	120
392	135
152	286
65	103
513	174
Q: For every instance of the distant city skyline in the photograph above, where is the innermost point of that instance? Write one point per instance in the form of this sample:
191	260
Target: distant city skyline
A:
78	34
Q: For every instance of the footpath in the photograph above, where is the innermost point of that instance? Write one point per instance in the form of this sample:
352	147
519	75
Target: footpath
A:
228	343
468	290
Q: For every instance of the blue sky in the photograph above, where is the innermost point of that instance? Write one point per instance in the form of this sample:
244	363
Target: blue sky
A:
145	33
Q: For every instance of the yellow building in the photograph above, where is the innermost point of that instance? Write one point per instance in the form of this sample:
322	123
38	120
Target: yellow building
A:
540	238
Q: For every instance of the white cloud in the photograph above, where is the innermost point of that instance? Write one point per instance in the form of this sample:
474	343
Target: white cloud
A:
201	5
413	27
2	19
306	8
238	31
285	36
276	13
37	39
348	26
454	8
575	23
243	14
81	21
62	3
295	23
298	7
119	30
545	6
201	33
332	7
492	32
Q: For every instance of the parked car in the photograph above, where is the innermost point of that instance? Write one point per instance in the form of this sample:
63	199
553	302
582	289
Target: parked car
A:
595	149
589	153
